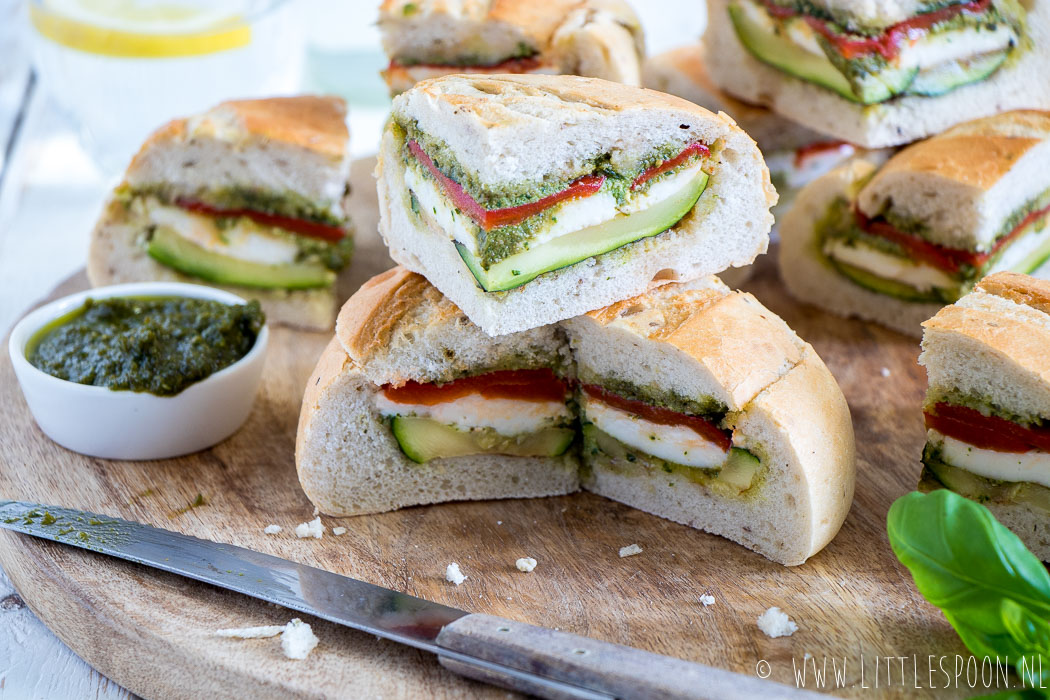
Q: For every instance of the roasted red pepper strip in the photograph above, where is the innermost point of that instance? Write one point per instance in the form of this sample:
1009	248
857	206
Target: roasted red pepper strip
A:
887	44
489	219
663	416
948	259
692	150
986	432
585	186
520	384
299	226
818	147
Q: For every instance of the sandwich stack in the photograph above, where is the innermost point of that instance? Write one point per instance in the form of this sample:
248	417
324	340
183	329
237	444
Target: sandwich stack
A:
555	323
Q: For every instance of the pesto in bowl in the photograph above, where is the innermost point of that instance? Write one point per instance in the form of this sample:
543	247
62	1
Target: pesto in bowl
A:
157	345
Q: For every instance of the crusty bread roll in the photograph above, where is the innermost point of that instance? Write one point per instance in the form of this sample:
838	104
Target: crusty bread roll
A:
961	190
397	327
1016	85
531	128
989	349
698	339
428	39
782	404
268	148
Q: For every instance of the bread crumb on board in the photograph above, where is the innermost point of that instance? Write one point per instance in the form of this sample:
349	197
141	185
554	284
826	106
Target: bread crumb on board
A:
453	574
272	529
250	632
630	550
885	371
707	599
298	639
525	564
314	529
338	531
775	623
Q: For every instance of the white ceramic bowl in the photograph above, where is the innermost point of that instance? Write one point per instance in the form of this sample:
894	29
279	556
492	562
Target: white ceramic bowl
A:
100	422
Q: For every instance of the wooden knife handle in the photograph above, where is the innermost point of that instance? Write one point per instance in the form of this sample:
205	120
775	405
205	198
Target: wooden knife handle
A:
619	671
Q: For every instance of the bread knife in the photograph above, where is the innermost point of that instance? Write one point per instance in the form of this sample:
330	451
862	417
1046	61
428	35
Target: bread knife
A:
535	660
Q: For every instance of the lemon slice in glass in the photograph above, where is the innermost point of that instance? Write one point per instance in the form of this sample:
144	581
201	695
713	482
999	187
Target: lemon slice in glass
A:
140	28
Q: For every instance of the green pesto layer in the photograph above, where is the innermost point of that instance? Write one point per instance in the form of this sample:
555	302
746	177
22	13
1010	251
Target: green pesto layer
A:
288	203
707	406
500	243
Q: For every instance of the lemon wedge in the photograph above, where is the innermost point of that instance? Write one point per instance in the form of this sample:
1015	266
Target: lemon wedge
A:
138	29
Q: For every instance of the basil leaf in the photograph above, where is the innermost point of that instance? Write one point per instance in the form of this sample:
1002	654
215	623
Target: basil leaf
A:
966	563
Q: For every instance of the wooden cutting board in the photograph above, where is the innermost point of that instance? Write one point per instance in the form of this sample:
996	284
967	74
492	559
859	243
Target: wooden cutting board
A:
153	632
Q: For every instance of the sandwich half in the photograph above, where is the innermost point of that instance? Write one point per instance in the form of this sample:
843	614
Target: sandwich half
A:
248	196
430	38
794	154
987	408
700	405
893	244
530	199
692	402
412	404
882	73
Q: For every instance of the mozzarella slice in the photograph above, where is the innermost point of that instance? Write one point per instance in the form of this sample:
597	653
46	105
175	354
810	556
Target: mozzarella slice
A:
890	267
1033	466
568	217
674	443
242	240
508	417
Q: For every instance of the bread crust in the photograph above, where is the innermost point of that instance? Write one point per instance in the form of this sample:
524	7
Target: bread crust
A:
975	154
1018	288
367	319
310	122
744	346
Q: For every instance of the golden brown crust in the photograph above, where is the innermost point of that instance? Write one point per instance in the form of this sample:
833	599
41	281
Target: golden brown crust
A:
976	153
367	319
745	346
314	123
1022	341
309	121
330	365
1018	288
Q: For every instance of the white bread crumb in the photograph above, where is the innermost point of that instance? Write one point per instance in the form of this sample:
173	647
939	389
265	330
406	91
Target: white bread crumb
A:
525	564
630	550
251	632
297	639
707	599
338	530
775	623
454	575
885	371
314	528
272	529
